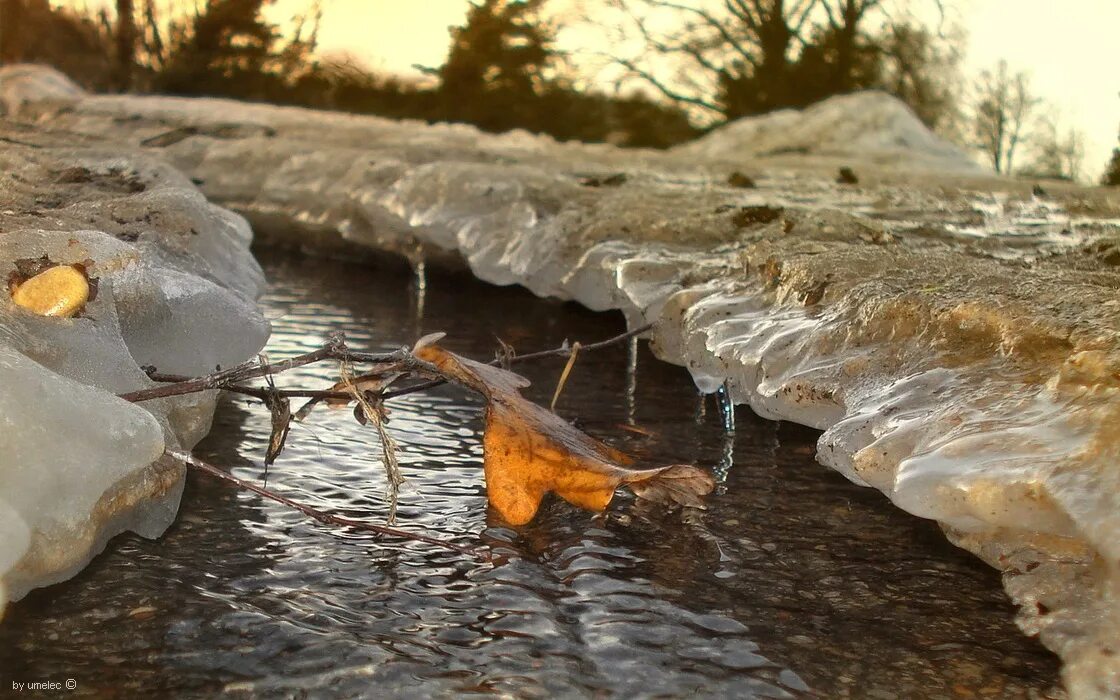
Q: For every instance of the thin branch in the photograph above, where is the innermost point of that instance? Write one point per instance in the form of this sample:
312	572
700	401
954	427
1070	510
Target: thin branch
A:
742	11
661	87
321	516
556	352
190	384
334	349
565	352
256	392
713	22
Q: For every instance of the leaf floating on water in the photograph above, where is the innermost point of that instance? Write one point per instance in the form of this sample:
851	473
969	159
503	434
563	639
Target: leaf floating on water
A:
683	484
59	291
530	451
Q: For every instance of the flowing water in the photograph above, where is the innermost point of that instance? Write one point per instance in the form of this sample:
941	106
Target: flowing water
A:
794	582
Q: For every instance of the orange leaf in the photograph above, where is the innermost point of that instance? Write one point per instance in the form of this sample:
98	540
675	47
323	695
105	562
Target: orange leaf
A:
530	451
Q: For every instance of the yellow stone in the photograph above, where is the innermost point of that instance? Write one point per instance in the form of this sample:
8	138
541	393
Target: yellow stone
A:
58	291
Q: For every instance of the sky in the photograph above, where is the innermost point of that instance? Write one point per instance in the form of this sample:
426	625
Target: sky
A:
1070	48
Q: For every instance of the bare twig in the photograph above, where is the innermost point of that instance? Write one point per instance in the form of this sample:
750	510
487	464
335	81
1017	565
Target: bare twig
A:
321	516
243	371
564	375
565	351
376	415
185	385
334	349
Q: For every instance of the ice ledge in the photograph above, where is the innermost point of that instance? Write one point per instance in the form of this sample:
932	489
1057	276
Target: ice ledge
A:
957	339
176	289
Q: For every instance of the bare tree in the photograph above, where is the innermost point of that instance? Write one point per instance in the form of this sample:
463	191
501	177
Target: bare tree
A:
1003	108
739	57
1057	154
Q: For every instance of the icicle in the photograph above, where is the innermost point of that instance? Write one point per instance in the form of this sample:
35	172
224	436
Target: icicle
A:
632	382
726	408
419	293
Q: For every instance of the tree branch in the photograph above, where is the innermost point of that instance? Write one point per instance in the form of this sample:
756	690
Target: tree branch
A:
334	349
321	516
664	89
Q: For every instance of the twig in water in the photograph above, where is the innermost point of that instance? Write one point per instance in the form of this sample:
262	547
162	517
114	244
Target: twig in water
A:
334	349
564	375
321	516
376	415
565	351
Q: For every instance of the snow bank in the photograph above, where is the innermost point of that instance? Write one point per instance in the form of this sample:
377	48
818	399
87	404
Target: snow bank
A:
867	126
24	84
956	338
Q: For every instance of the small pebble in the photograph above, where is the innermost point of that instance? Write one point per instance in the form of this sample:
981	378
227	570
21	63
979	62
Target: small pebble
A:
59	291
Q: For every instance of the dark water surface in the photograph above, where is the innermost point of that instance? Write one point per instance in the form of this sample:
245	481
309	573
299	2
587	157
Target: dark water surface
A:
794	583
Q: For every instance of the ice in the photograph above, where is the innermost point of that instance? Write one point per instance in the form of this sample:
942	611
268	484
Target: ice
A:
175	289
68	449
868	126
956	338
23	84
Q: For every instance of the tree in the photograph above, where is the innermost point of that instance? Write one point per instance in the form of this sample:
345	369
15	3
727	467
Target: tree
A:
922	68
225	48
748	57
1003	108
125	43
503	73
495	66
1058	155
77	43
1112	172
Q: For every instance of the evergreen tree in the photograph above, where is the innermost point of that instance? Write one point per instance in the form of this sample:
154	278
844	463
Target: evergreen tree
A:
1112	173
494	73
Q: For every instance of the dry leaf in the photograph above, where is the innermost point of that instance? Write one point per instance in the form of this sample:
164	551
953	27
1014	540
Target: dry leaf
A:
370	383
370	410
530	451
280	409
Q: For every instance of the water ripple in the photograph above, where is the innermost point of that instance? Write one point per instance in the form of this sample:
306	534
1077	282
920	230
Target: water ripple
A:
793	583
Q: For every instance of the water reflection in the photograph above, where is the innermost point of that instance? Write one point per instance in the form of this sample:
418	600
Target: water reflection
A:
792	580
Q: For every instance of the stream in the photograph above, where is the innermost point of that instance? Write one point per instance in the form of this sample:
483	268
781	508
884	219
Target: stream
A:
793	583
